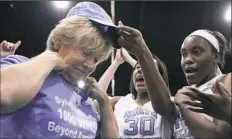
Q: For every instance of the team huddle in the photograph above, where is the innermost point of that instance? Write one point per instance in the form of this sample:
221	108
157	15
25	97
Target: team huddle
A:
40	96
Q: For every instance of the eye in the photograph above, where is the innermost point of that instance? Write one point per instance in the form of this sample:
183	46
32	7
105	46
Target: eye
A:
96	60
138	67
86	53
196	51
183	54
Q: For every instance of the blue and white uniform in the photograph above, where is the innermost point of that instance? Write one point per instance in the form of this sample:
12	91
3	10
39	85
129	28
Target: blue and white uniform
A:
135	121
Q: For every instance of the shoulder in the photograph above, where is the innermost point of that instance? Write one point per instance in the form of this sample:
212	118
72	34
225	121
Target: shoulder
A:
13	59
114	100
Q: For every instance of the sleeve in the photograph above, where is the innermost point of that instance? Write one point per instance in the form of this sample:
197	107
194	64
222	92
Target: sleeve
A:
13	59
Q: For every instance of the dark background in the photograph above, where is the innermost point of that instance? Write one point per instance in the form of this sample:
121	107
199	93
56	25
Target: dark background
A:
164	26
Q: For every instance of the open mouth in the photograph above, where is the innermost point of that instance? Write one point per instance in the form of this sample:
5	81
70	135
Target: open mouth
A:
190	71
81	71
140	79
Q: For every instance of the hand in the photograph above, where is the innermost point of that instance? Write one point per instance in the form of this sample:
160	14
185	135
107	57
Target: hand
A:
131	39
221	99
60	62
8	48
94	91
67	56
181	97
205	103
119	58
125	55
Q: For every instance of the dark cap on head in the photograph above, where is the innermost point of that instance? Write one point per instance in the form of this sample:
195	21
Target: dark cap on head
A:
98	16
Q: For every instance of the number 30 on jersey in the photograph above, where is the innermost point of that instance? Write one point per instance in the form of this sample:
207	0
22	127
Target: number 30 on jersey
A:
146	125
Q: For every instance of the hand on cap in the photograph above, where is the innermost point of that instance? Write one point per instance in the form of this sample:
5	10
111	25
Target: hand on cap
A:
8	48
131	39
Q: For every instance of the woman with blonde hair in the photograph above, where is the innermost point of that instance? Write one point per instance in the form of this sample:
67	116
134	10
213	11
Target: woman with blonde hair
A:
40	97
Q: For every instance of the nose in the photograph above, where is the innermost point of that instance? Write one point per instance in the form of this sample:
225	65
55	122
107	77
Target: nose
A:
188	60
139	70
89	63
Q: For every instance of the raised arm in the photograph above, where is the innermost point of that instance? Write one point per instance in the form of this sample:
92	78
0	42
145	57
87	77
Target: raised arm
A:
105	79
20	82
127	57
159	94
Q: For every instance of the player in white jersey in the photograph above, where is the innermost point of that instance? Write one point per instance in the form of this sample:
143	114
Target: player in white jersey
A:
203	54
134	112
217	96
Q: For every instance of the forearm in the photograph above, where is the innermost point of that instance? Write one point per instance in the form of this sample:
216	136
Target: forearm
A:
157	90
21	82
108	125
199	126
108	75
131	61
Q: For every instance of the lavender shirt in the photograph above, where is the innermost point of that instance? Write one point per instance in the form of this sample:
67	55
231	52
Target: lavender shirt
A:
59	110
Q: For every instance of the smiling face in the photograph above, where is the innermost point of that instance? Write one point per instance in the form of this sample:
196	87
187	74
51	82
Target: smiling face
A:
197	59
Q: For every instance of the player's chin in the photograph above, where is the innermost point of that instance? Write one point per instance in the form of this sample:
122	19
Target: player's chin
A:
141	89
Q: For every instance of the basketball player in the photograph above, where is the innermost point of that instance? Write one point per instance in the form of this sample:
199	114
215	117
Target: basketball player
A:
219	100
134	112
40	97
202	54
8	48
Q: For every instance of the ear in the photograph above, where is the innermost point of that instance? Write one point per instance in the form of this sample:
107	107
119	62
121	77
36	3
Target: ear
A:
216	58
56	45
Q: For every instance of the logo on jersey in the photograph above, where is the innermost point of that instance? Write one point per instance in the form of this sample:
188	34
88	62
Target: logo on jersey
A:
142	124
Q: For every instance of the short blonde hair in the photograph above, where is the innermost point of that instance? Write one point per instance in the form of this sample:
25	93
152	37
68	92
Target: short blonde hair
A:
79	31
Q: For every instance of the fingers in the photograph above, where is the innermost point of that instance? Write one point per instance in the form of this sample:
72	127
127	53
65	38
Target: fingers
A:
199	94
90	80
10	46
17	45
121	53
195	109
188	92
120	23
3	43
127	29
196	94
195	106
214	97
194	103
221	89
122	42
118	52
125	34
195	90
90	83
